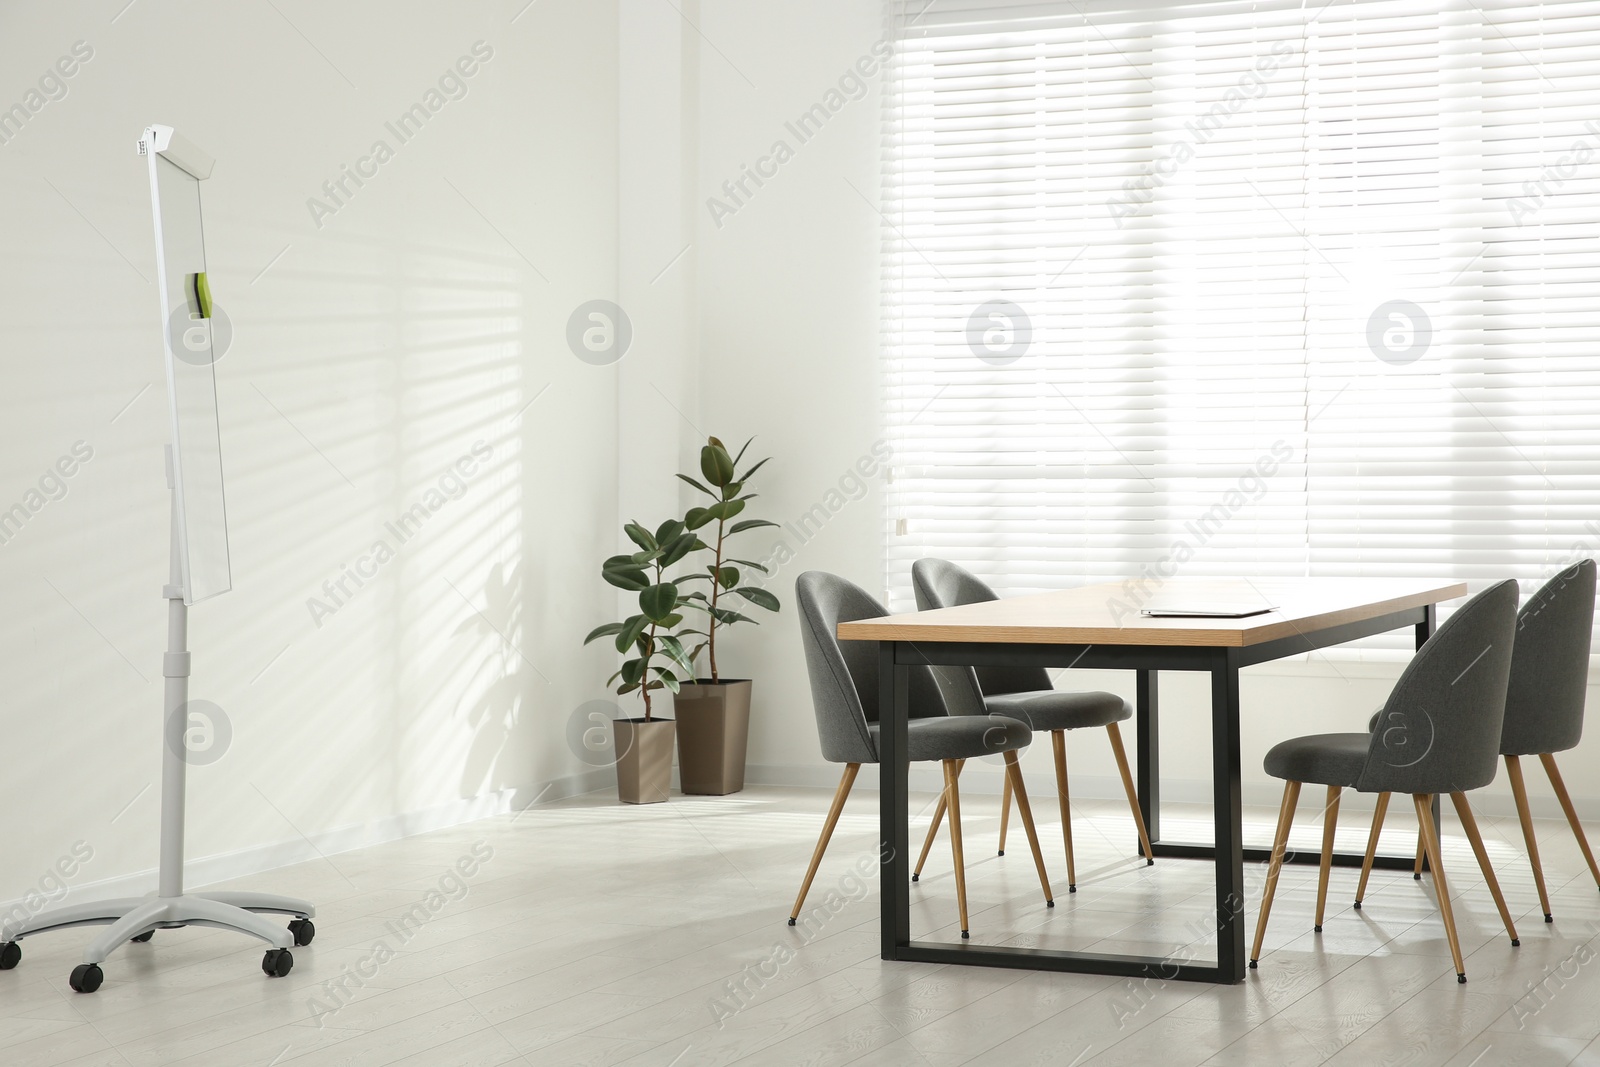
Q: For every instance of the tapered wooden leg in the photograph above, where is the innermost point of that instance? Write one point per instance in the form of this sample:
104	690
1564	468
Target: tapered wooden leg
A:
1430	843
1470	824
1280	841
1372	846
933	828
1416	868
953	796
839	795
1519	793
1058	741
1330	823
1025	812
1127	787
1549	761
1005	812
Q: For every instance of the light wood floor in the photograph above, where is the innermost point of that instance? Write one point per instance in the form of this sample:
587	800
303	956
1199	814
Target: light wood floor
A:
601	934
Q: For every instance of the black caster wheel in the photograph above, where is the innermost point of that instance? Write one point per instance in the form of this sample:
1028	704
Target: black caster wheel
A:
1002	852
1072	889
10	955
1316	929
277	963
1253	965
304	930
916	877
1358	905
142	938
86	978
1549	918
1049	903
1462	979
1516	942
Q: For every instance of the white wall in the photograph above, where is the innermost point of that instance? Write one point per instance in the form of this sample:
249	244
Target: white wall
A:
789	325
371	352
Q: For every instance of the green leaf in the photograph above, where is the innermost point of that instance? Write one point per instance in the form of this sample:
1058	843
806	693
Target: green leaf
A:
679	547
624	573
671	620
716	464
640	536
742	449
749	524
668	679
762	567
729	577
697	485
731	490
603	631
698	517
624	690
727	616
631	631
757	467
726	509
632	671
658	601
759	597
668	531
674	651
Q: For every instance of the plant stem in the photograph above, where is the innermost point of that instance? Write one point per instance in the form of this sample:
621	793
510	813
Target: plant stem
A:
716	589
644	679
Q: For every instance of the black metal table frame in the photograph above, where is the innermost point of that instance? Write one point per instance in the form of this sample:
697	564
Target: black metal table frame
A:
1227	849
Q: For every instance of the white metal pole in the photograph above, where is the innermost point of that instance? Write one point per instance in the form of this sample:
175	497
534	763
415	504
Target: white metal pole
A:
175	667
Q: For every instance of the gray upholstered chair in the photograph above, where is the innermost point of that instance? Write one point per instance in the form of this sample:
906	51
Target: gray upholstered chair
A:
1544	707
844	694
1021	693
1440	733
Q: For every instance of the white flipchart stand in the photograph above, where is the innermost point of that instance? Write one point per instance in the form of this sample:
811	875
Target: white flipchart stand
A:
199	570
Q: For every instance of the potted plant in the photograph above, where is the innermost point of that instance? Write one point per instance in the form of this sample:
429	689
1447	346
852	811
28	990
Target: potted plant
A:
658	659
713	712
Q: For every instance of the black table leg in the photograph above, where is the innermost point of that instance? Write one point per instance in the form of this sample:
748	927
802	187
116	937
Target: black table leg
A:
1147	750
1425	629
893	805
1228	816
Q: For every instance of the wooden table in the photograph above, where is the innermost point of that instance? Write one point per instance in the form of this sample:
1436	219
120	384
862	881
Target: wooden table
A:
1086	628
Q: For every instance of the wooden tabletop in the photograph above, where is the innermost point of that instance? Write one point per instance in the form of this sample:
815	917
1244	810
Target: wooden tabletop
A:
1106	615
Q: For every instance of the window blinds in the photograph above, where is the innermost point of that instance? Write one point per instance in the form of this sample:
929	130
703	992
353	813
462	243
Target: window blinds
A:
1242	288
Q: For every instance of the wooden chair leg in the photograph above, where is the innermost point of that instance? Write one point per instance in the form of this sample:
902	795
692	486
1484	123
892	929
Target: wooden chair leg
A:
1378	813
1005	812
1058	741
1330	823
1430	842
1549	761
933	828
953	794
1416	868
1280	840
1470	824
1519	793
1133	794
1025	812
839	795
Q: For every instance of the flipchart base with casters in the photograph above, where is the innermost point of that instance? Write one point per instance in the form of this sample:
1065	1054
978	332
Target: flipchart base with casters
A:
136	918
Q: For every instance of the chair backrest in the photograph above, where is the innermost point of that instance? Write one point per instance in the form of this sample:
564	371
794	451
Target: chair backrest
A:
844	674
1439	731
1550	666
938	583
